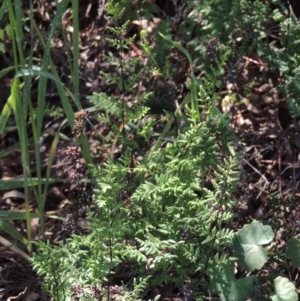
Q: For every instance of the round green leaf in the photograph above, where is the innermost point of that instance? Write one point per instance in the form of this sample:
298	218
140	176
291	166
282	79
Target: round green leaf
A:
284	290
247	245
243	289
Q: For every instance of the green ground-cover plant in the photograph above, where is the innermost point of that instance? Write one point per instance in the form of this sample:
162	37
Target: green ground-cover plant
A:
158	216
168	215
266	30
253	250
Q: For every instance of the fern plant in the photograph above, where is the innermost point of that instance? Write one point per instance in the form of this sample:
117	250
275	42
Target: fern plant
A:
164	216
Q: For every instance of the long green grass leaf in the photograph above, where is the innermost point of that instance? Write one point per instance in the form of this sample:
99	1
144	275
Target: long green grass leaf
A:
21	123
36	71
16	215
3	9
20	183
194	80
9	229
4	71
75	73
6	112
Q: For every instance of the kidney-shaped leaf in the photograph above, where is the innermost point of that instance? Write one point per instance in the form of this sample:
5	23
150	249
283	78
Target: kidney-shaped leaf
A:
247	245
284	290
293	251
245	288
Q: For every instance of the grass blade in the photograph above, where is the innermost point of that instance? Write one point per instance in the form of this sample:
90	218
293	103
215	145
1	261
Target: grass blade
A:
9	229
20	183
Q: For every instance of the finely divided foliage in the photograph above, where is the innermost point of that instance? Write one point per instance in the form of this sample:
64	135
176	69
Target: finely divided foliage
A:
167	217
